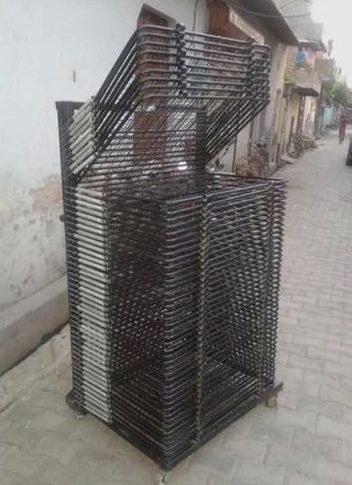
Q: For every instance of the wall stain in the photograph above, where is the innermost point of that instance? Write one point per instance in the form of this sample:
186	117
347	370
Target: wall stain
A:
48	196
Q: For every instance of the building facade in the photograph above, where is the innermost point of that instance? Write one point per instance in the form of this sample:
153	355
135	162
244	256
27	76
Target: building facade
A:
256	149
309	67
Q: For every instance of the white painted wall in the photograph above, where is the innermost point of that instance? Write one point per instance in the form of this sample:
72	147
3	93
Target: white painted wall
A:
41	43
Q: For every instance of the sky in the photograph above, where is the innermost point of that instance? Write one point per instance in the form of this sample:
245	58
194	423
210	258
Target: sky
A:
336	16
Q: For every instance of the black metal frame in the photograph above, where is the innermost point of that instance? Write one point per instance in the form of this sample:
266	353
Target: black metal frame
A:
173	271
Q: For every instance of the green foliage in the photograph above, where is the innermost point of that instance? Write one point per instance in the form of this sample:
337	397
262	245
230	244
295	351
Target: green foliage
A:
337	93
342	95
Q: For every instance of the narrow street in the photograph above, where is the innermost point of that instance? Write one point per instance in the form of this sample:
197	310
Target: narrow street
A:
307	440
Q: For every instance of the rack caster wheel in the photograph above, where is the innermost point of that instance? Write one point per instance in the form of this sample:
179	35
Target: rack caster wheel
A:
271	402
79	415
79	412
161	478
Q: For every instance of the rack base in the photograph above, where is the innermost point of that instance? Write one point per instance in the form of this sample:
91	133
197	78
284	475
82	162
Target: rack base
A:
269	398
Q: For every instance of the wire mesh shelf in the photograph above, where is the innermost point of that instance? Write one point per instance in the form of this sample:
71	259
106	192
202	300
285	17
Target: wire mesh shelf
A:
173	270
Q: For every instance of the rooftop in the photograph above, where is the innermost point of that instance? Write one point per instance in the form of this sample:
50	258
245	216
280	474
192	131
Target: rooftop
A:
297	13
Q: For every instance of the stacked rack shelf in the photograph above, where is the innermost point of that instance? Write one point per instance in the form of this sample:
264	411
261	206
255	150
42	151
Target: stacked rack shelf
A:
173	269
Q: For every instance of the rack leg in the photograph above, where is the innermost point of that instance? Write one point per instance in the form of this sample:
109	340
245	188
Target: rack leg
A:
161	478
76	408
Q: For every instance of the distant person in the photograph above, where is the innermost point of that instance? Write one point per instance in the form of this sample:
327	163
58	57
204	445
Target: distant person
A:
300	56
342	128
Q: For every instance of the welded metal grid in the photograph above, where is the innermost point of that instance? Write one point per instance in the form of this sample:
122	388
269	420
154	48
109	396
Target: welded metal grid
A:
173	270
